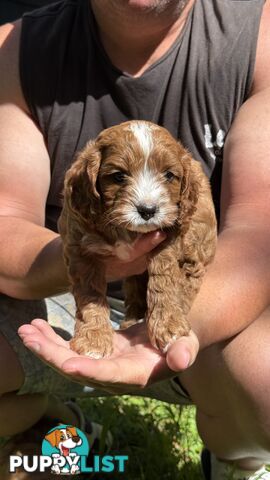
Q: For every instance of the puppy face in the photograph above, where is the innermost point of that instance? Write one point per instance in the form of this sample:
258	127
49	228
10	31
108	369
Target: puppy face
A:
142	169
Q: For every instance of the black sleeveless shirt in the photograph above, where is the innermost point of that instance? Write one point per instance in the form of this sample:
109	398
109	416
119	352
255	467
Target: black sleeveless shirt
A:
194	89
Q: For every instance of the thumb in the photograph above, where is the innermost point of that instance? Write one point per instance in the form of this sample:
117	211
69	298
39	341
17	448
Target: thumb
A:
147	242
182	353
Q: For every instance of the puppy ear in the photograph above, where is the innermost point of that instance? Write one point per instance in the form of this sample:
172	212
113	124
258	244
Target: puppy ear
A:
189	190
80	187
52	438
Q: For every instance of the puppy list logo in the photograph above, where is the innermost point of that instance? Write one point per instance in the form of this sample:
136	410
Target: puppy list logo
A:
64	451
66	446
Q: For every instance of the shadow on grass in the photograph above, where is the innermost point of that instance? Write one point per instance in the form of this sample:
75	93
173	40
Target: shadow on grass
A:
160	440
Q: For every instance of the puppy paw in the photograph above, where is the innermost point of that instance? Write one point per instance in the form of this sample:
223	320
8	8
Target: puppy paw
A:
166	327
93	343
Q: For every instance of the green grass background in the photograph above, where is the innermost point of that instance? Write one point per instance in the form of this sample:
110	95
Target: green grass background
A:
161	440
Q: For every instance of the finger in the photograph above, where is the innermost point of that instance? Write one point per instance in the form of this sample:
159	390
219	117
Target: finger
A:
49	331
44	328
182	353
147	242
45	348
99	371
51	353
28	333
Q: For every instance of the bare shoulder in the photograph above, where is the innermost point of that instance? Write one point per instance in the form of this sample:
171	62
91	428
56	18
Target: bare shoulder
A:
262	71
246	175
10	90
23	153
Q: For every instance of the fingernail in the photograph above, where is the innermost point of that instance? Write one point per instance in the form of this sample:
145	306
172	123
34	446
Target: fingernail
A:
158	237
186	359
35	347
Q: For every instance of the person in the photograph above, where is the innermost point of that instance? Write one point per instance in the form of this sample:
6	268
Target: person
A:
11	10
199	68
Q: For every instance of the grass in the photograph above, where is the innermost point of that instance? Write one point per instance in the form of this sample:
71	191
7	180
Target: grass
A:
161	440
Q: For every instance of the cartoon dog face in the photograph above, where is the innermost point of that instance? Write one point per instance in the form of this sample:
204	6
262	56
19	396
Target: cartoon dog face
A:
64	439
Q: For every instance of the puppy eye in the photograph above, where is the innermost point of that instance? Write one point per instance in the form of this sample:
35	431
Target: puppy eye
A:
119	177
169	176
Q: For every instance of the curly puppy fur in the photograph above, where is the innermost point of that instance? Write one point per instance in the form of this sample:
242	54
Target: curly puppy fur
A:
135	178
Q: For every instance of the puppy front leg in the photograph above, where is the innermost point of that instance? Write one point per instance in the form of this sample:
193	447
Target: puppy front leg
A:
93	332
166	319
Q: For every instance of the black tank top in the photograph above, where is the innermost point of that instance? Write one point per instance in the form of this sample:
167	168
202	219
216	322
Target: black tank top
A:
194	89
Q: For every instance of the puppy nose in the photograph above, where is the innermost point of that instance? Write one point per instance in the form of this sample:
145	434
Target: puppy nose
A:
76	439
146	211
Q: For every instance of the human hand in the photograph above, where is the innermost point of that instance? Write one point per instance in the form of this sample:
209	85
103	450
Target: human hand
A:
136	263
134	363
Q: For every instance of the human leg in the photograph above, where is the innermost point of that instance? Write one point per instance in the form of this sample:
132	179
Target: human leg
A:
32	395
16	413
230	385
26	383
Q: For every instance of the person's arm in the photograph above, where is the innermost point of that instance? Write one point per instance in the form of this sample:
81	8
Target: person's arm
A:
237	286
31	262
30	255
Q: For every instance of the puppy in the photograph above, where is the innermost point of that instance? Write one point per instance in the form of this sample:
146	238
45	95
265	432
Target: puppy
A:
133	179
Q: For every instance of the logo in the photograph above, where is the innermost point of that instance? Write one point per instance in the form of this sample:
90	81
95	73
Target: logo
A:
214	146
65	445
65	450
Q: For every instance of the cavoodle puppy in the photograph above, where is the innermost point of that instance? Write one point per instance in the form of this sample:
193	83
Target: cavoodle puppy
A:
136	178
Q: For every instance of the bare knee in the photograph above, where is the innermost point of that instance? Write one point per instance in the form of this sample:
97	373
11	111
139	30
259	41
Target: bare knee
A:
19	412
230	384
246	361
11	372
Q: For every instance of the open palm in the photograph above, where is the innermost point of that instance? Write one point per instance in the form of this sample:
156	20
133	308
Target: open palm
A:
134	363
